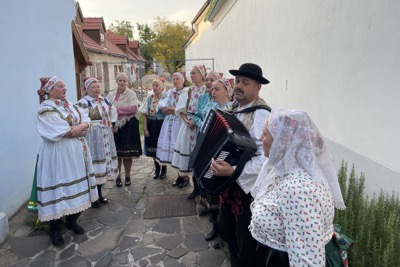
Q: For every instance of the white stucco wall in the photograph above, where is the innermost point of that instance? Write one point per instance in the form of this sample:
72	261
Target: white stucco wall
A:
36	41
337	60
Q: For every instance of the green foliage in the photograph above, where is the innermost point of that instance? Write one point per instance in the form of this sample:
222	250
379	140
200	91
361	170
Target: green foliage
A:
124	28
374	223
146	42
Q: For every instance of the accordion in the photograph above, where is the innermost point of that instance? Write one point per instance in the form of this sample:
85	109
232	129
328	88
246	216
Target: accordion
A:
221	137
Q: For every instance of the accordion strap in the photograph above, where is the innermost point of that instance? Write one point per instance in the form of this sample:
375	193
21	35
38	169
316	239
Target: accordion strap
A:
252	109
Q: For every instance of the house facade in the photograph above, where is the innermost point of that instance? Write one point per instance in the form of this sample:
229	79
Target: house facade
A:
336	60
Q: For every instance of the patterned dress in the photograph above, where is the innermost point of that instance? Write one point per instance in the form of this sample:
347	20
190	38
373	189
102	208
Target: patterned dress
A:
186	139
170	128
65	177
155	119
100	137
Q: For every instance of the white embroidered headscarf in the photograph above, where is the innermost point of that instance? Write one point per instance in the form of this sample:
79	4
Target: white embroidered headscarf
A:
297	144
48	83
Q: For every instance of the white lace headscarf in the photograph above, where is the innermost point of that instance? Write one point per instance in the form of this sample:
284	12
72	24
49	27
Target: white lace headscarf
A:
297	144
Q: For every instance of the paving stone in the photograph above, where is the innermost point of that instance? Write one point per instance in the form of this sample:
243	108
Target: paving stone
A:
127	242
177	252
68	252
141	205
211	258
136	226
117	219
121	258
115	206
190	259
96	232
21	263
93	213
24	230
157	258
168	226
25	247
144	252
171	262
195	242
90	224
100	245
148	239
105	261
170	242
79	239
191	224
46	259
143	263
76	261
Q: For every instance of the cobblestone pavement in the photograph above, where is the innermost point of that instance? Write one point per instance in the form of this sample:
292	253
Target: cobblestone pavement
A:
116	234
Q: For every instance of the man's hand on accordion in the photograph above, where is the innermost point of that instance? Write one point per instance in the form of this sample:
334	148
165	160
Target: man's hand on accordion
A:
221	168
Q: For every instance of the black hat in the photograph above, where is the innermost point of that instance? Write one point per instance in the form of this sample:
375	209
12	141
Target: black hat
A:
250	70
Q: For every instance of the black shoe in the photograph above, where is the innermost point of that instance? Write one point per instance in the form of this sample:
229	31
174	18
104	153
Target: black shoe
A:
55	233
218	244
103	200
74	226
178	181
118	182
192	195
203	211
127	181
213	234
163	174
96	204
156	174
183	184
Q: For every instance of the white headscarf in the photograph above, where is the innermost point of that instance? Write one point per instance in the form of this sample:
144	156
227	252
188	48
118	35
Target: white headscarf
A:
297	144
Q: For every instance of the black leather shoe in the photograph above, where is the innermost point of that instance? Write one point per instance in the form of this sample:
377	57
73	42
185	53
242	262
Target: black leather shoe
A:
218	244
177	182
213	234
192	195
203	211
103	200
118	182
55	233
163	174
156	174
74	226
127	181
96	204
183	184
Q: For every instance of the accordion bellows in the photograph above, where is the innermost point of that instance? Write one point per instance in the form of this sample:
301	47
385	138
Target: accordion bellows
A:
222	137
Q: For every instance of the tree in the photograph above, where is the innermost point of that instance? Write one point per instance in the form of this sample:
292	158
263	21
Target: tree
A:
167	45
146	42
124	28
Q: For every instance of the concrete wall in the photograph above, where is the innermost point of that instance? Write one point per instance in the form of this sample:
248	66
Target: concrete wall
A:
337	60
36	40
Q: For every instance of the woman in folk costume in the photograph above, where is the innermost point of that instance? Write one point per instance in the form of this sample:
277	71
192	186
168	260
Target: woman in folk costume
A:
171	125
187	135
295	195
198	118
152	122
65	177
100	136
126	129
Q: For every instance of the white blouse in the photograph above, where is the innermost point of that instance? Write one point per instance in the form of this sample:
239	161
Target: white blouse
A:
295	215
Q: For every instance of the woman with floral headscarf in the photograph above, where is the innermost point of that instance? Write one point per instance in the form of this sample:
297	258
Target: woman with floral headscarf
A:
295	195
126	129
187	135
171	125
65	177
152	122
100	135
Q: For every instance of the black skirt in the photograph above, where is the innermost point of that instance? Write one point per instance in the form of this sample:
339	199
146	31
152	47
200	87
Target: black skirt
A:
150	143
127	140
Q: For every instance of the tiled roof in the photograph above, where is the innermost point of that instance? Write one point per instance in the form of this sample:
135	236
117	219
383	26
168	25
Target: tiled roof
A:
109	47
92	23
116	38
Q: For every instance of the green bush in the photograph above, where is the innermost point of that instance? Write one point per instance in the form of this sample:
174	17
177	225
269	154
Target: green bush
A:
374	223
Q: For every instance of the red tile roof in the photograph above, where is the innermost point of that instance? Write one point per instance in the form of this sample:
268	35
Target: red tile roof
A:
93	23
109	47
116	38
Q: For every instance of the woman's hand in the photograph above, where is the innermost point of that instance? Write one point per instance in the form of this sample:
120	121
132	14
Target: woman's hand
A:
77	131
221	168
168	110
146	132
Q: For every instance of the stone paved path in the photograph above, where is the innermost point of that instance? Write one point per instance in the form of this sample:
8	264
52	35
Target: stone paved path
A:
116	234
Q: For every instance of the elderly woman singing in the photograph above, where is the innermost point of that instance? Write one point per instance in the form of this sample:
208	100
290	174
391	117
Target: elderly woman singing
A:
295	195
65	177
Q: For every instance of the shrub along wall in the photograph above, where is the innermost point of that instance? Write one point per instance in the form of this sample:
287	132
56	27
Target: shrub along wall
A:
373	222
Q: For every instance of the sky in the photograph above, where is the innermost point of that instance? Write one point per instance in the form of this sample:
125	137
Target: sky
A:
141	11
